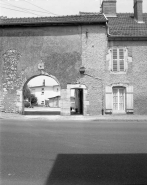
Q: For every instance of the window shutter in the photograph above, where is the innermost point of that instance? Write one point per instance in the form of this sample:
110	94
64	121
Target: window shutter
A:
108	99
129	95
115	58
121	59
109	59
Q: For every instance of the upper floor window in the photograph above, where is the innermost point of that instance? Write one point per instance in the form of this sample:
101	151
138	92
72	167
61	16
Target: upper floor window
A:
118	59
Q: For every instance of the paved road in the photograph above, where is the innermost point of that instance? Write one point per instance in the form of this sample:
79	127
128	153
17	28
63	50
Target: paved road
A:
72	153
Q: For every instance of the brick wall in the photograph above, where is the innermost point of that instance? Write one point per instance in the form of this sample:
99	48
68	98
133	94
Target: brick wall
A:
109	7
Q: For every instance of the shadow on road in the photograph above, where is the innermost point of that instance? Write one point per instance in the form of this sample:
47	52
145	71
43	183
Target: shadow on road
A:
99	169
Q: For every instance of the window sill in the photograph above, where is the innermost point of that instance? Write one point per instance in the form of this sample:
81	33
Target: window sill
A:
119	112
118	72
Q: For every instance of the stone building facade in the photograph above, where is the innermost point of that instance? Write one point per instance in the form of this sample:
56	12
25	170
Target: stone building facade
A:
61	45
104	55
126	61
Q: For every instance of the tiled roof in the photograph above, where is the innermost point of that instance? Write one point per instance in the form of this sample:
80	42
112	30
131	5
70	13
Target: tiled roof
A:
74	19
125	25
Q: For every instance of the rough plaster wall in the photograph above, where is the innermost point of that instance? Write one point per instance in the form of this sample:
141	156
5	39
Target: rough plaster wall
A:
59	48
136	74
94	46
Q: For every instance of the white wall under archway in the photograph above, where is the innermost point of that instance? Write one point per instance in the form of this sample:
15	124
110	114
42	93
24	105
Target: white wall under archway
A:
51	83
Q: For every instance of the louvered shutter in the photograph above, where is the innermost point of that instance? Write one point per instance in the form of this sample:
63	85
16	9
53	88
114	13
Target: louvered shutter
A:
108	99
129	94
115	59
121	60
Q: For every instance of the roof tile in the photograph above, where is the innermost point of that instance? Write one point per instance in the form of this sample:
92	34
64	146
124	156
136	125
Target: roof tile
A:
99	18
125	25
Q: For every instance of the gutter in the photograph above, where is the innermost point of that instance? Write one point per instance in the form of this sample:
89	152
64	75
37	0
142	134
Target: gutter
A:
123	37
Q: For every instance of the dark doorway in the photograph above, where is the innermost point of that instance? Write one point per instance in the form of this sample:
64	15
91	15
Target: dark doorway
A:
77	102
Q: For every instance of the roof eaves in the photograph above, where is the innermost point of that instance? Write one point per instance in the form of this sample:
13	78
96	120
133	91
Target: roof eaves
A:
52	23
90	19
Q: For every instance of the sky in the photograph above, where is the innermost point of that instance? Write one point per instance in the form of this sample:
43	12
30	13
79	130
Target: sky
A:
38	81
44	8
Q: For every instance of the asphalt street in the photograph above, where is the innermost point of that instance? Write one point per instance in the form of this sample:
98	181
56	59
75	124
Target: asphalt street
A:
38	152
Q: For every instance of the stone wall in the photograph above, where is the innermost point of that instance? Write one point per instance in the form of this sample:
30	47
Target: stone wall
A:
62	50
22	49
136	74
94	47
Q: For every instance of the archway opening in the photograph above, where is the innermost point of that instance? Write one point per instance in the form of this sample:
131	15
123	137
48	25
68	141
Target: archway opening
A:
41	96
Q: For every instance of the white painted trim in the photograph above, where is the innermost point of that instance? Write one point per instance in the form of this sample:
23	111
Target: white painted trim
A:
76	86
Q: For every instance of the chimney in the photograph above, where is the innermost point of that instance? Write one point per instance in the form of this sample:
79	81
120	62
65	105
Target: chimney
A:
138	14
109	8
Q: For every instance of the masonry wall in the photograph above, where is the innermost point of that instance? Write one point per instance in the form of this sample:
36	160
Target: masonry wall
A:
22	49
63	50
94	47
136	74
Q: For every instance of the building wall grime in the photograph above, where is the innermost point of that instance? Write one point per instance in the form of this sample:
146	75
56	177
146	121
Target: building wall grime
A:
62	50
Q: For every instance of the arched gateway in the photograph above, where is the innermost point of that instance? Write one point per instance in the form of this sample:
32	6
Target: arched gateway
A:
46	89
70	101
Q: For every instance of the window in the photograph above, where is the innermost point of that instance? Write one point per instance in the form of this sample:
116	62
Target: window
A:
119	99
118	59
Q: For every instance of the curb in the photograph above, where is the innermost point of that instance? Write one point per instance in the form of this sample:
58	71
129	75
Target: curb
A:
7	116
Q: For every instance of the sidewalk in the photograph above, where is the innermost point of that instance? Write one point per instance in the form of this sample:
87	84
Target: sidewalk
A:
76	118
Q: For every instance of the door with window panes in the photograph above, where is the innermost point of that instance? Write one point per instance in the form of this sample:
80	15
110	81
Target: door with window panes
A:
118	99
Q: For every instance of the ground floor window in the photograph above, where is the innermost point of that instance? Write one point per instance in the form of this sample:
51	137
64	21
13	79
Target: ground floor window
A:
119	99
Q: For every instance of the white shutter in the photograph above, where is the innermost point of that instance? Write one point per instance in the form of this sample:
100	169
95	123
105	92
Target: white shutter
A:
129	94
115	59
108	99
109	59
121	59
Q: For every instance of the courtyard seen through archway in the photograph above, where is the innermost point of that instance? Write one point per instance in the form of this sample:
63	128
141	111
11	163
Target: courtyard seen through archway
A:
41	96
